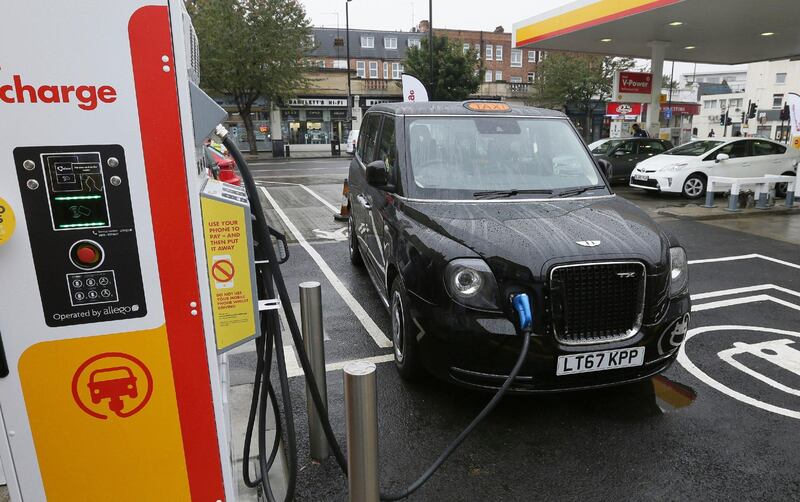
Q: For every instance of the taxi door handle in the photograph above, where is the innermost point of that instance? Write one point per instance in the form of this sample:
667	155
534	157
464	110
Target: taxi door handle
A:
363	201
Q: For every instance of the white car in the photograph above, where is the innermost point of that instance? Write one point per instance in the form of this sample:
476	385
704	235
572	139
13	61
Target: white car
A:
685	169
352	140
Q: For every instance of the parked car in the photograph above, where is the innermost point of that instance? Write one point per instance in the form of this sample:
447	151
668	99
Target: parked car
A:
456	208
352	140
625	153
685	169
222	166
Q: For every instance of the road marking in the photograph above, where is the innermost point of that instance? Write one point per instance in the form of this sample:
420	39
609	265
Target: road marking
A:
337	235
292	366
745	257
338	366
684	360
747	289
743	300
372	329
312	192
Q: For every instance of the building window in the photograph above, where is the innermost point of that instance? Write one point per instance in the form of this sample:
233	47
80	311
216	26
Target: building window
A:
542	55
385	70
367	42
516	80
360	69
531	76
488	76
373	69
466	48
531	56
516	58
477	51
777	101
489	49
498	53
780	78
340	64
735	103
390	42
413	42
321	63
498	76
710	104
396	71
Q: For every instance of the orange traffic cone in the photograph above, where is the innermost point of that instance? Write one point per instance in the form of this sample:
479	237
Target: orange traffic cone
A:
344	213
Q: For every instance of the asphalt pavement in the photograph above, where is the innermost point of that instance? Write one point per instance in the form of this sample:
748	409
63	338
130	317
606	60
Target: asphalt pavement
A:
722	424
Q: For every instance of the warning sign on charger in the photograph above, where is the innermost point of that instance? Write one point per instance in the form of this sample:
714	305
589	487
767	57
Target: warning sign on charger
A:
231	272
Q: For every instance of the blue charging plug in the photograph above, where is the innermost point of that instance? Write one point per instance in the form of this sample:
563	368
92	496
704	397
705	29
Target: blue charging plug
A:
522	305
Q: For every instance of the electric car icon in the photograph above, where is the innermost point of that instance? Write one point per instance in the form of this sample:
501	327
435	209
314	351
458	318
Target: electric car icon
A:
456	208
112	384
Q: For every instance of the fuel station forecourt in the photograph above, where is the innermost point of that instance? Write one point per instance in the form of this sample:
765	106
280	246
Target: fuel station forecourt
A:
701	31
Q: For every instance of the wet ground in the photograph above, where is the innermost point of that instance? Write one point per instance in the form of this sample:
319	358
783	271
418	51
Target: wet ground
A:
721	423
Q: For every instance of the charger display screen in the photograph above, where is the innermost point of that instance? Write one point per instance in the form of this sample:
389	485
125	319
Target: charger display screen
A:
76	191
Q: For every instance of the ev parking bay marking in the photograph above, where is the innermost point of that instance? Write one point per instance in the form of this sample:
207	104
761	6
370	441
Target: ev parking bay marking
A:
779	350
339	235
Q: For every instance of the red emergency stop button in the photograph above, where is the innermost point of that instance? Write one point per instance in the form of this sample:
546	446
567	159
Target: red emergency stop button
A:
86	254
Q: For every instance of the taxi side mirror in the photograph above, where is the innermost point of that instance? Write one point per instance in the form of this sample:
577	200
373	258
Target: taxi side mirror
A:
722	156
377	174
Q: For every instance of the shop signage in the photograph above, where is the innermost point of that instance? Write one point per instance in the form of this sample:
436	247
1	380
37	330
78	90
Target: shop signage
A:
317	102
627	110
313	114
633	87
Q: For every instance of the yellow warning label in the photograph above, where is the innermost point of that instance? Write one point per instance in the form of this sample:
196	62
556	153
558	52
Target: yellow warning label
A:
228	251
7	221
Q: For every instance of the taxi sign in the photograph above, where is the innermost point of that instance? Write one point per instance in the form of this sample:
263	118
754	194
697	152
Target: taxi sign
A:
487	106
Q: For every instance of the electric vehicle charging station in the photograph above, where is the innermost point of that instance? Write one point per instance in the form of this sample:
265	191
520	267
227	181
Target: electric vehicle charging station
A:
112	385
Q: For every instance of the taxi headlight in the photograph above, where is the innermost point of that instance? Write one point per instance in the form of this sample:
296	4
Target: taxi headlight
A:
678	271
471	283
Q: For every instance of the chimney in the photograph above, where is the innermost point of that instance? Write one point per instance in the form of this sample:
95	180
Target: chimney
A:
424	26
499	29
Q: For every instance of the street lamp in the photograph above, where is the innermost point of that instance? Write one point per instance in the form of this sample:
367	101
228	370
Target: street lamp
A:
347	54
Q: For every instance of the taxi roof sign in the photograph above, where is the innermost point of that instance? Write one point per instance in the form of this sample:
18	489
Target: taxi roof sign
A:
487	106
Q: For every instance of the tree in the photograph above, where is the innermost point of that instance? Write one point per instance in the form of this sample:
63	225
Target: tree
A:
251	49
456	74
579	80
669	84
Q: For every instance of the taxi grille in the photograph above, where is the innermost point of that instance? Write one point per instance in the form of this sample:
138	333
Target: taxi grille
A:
597	302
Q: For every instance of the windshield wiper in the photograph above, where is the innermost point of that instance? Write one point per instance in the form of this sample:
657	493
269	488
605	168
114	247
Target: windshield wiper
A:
496	194
577	190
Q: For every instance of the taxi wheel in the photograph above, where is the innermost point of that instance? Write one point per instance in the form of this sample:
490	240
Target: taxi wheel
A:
404	336
352	244
782	188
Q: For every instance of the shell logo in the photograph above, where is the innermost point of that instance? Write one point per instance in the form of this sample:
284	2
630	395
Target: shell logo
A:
796	142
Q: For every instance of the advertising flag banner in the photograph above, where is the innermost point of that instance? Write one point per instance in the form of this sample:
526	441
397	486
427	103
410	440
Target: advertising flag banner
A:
413	90
793	101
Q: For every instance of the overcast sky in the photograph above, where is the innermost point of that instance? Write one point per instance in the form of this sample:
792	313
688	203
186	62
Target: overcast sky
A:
464	14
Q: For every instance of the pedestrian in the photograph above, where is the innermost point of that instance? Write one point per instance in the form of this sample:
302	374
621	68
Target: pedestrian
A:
711	134
638	132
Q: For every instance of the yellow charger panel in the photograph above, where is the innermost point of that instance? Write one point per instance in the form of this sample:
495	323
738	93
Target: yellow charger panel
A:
228	236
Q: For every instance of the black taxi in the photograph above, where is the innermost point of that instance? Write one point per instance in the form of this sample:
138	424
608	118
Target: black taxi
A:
457	207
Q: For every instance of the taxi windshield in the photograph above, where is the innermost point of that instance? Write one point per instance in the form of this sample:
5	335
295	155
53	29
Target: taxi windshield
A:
466	157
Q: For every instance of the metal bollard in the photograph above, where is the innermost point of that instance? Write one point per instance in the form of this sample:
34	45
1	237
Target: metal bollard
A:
790	198
763	198
709	199
361	417
733	202
311	320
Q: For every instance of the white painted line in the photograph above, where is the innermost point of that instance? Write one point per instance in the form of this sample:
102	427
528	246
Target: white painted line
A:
338	366
724	258
731	302
684	360
745	257
292	366
319	198
372	329
747	289
315	175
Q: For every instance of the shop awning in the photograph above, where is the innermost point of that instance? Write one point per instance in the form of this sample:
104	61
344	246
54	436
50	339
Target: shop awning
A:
703	31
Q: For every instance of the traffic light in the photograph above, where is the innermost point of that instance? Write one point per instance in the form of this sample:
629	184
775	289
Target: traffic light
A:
751	112
722	118
744	116
728	120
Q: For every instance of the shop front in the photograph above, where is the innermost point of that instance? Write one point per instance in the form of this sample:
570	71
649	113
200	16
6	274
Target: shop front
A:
315	121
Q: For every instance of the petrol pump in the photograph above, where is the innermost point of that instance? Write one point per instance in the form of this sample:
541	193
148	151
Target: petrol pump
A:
125	271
